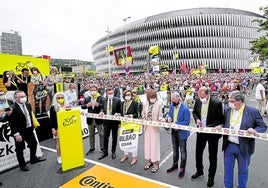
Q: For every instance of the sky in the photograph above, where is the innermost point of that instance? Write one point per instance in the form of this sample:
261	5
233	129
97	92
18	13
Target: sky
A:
67	29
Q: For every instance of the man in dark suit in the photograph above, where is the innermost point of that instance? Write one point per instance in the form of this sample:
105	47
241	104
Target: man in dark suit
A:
21	125
239	117
207	112
93	103
111	106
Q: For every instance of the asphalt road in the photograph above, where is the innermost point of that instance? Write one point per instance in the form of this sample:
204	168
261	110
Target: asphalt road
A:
48	174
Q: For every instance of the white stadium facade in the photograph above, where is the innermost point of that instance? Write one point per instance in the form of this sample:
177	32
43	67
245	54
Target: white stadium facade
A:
216	37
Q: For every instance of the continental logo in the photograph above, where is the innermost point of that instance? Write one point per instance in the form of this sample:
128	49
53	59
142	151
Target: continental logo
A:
69	121
92	182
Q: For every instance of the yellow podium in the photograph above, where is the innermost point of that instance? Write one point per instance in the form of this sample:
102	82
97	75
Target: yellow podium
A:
70	136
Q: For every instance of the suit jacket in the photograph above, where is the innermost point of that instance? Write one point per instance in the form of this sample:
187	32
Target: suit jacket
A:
95	110
116	108
183	118
157	113
17	119
132	109
251	119
214	114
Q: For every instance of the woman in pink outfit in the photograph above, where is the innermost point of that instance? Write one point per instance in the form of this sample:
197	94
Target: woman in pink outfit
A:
152	111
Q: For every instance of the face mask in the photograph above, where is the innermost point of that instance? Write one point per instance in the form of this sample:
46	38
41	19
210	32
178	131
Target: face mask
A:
152	100
3	97
73	90
23	100
204	100
60	101
231	105
175	103
110	96
35	72
128	98
93	93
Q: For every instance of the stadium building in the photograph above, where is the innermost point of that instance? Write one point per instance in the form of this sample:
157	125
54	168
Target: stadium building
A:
217	38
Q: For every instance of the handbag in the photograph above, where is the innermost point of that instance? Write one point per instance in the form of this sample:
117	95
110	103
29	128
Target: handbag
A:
35	121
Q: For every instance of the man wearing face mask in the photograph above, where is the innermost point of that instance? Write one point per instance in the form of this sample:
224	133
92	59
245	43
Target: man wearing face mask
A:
239	117
71	95
111	106
93	103
22	129
179	114
207	112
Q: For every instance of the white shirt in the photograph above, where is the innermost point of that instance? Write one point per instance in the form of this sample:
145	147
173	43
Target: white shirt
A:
259	88
71	97
235	122
27	115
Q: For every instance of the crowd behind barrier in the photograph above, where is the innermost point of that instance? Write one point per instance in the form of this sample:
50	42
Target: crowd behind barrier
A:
186	85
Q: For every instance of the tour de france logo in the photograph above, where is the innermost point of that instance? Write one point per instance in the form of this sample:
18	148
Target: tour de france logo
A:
69	121
5	133
21	65
93	182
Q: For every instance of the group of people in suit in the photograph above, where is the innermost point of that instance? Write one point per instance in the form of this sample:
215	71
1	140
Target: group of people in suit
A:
207	112
110	105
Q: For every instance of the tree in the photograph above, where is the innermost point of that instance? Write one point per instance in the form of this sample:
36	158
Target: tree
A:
260	45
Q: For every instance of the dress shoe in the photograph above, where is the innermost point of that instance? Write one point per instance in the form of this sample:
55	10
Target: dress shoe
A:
197	176
181	173
113	155
103	155
24	168
171	169
37	160
210	182
90	151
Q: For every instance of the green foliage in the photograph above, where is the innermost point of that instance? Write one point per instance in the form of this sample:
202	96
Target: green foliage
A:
260	45
91	73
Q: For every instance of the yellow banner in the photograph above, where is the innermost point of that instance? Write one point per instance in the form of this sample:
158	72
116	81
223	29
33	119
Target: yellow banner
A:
101	177
17	63
70	135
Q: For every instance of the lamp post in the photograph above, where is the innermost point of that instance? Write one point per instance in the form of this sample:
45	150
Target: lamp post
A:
125	20
108	51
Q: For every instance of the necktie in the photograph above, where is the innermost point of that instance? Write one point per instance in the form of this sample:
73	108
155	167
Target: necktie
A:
110	106
27	116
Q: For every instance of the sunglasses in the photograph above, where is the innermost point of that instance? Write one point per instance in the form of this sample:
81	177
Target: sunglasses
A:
60	97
